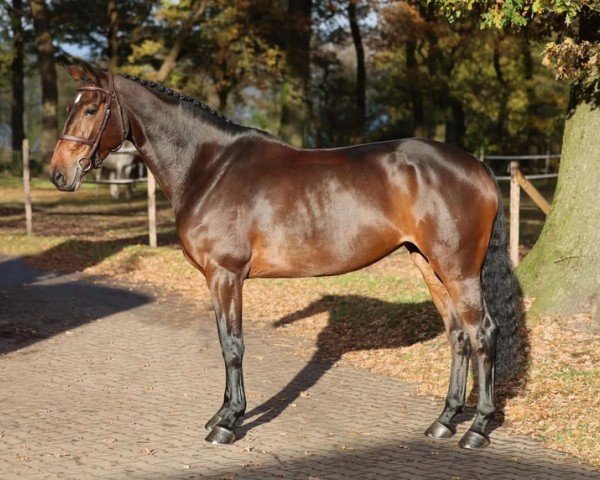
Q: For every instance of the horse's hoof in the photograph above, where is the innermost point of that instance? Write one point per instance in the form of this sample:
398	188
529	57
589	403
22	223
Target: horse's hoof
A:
473	440
212	422
220	436
438	430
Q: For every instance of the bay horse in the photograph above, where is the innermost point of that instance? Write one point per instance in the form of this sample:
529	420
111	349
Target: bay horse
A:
249	205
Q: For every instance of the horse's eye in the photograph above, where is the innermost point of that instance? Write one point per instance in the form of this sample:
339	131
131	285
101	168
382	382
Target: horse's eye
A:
90	111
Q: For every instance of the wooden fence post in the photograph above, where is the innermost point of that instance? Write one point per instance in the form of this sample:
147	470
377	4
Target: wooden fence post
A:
514	213
152	210
27	187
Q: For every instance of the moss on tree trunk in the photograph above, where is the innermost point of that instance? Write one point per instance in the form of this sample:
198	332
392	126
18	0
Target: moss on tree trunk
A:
562	271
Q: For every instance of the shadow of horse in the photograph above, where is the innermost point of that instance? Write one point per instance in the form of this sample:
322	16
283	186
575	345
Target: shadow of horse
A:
360	323
355	323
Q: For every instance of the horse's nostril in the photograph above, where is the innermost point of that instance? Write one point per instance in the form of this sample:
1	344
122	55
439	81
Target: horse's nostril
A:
59	179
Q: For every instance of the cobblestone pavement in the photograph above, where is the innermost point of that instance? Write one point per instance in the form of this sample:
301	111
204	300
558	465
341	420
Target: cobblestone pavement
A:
103	382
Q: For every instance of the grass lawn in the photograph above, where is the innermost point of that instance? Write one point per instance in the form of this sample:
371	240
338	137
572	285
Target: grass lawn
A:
379	318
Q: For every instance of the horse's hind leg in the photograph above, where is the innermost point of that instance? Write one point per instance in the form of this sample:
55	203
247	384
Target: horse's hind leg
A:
482	333
459	341
226	292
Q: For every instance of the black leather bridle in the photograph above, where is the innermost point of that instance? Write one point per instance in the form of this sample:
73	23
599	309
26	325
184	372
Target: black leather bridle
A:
93	159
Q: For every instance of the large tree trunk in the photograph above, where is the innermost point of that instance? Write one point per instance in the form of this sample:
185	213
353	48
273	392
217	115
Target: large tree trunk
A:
361	79
562	271
45	54
17	107
295	105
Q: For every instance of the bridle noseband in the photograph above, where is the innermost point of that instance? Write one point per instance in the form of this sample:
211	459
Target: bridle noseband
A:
94	160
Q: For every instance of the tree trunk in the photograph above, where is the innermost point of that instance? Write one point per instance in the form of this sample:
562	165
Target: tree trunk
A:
455	125
419	127
113	35
17	107
504	95
361	79
223	95
45	54
295	104
562	271
529	84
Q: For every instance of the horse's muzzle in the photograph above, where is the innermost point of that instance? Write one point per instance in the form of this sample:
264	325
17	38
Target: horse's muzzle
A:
60	180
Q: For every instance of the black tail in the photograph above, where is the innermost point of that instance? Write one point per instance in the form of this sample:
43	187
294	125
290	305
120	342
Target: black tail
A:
502	296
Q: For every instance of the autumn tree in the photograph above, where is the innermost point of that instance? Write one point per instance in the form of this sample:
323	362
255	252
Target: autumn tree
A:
232	51
458	83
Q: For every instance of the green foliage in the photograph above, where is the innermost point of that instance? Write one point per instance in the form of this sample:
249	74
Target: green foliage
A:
508	13
569	58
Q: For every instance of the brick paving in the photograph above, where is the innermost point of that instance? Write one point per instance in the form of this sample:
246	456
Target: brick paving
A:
103	382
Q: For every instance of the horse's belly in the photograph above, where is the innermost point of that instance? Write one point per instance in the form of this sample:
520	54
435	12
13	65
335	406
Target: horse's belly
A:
282	254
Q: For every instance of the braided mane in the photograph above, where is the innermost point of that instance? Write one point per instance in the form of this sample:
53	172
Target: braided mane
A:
179	96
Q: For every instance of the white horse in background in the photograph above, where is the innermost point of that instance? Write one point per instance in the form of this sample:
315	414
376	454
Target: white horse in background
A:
123	164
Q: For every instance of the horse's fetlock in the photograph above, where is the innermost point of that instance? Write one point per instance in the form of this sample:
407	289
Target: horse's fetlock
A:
454	403
238	407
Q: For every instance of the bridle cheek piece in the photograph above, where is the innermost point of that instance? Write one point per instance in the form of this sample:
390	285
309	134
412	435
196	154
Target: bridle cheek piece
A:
93	159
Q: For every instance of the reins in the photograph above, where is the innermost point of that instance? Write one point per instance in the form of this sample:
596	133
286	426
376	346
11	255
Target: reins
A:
93	159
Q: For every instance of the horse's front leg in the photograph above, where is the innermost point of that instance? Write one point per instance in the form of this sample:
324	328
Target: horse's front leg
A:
226	292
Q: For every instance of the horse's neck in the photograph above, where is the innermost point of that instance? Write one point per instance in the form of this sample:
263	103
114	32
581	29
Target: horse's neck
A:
171	141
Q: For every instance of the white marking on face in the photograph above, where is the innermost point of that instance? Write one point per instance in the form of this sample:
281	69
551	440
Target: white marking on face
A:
77	98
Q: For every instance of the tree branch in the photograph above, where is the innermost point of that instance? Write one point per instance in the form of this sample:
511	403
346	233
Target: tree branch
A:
170	60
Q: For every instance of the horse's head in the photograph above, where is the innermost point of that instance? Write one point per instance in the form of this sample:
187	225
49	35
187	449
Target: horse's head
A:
95	126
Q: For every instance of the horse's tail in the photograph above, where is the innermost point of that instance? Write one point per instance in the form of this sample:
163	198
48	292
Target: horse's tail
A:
502	295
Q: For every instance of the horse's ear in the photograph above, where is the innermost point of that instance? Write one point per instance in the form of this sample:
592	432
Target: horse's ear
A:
75	72
83	72
95	74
